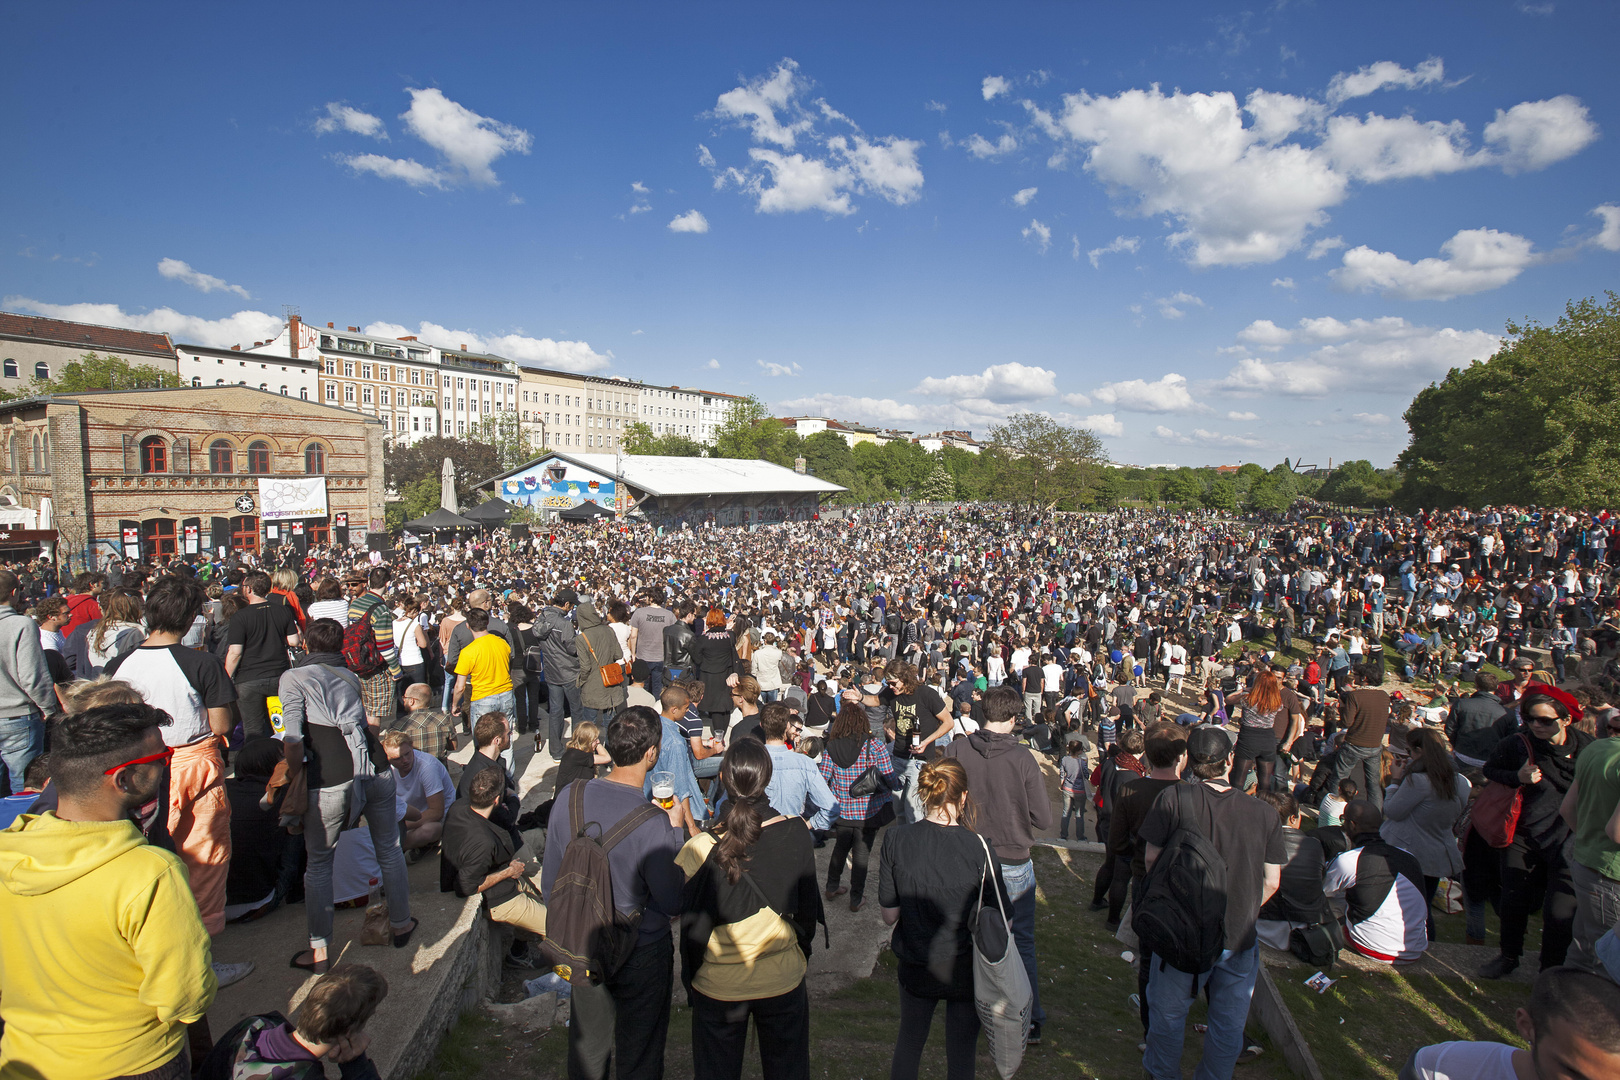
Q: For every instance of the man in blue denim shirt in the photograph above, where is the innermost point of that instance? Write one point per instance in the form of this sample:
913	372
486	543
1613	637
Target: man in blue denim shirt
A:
795	780
675	757
1006	784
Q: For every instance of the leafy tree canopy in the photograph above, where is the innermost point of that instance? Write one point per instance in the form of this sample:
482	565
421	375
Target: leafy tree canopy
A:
405	465
639	439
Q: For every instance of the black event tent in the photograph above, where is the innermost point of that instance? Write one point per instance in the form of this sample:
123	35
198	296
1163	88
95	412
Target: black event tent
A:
492	512
441	519
585	511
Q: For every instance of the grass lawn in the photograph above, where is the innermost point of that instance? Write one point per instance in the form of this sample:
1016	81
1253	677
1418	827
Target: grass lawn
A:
1091	1030
1366	1025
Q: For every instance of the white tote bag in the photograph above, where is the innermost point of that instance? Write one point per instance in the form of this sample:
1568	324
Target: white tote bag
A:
1001	990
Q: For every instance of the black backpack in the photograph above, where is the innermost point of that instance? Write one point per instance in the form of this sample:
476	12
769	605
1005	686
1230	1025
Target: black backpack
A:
1180	910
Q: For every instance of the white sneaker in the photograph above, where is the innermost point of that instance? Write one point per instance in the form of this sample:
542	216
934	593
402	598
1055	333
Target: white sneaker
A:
232	973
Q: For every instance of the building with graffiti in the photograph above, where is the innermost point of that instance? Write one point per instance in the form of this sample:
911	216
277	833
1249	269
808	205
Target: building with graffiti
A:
667	491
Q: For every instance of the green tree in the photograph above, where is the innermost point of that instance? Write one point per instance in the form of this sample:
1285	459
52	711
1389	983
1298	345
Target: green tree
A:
91	371
1357	483
1035	446
504	433
418	499
639	439
1184	488
406	464
827	455
1537	423
1222	494
939	486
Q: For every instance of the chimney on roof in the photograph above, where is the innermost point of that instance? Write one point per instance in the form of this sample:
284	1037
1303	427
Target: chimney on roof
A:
295	330
408	337
463	346
257	344
329	326
354	329
236	348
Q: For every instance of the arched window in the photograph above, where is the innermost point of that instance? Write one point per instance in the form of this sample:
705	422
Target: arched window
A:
14	458
155	456
37	459
259	457
11	368
196	380
221	457
42	370
157	535
314	459
284	391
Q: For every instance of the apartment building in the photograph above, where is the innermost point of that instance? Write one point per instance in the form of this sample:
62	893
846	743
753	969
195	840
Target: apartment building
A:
393	379
204	365
35	348
677	410
473	388
565	410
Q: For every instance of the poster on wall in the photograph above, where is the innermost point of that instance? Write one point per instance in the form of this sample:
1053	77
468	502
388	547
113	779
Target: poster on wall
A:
340	521
132	543
555	484
191	539
282	497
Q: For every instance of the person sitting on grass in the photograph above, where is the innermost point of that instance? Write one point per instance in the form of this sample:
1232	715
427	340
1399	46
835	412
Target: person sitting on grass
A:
1572	1026
330	1027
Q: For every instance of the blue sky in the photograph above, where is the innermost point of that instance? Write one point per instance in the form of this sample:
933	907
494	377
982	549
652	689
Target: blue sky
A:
1213	233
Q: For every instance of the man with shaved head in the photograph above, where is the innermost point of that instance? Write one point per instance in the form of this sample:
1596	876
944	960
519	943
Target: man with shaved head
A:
463	635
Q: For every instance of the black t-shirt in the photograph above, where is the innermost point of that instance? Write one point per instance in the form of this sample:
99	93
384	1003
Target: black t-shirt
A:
262	631
576	764
934	874
1136	797
1034	679
1245	831
914	713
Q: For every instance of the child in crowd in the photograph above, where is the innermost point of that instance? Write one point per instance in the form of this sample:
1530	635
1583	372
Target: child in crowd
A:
330	1027
1331	810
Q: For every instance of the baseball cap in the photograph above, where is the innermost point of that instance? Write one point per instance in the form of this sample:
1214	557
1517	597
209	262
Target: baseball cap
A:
1207	745
566	596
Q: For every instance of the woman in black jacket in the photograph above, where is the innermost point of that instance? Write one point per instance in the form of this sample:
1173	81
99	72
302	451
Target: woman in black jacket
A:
1539	759
714	654
933	875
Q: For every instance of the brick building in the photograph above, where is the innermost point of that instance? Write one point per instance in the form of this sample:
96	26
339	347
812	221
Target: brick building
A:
191	469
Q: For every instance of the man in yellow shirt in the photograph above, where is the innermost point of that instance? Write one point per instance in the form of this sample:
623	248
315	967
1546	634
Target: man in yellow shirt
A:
104	960
484	671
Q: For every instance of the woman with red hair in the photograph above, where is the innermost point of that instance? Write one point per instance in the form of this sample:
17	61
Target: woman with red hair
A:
714	653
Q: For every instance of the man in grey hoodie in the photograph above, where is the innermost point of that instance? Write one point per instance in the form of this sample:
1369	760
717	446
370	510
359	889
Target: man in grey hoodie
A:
26	693
560	656
326	727
1007	787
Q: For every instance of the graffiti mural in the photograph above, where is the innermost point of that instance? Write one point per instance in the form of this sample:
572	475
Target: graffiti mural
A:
554	484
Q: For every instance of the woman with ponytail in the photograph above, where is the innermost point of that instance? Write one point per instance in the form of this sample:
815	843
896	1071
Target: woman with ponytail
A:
749	914
932	878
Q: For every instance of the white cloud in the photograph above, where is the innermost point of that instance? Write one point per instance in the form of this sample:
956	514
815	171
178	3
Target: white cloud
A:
757	102
1324	246
1242	416
1164	395
776	370
1247	183
713	365
1535	134
968	415
828	171
240	328
182	272
1023	195
1475	260
637	333
409	170
1369	418
640	192
1383	75
999	383
1201	437
1172	306
1608	238
468	145
1103	424
934	106
690	222
1383	355
638	187
1120	243
340	117
994	86
1282	283
1074	247
1041	234
542	352
980	147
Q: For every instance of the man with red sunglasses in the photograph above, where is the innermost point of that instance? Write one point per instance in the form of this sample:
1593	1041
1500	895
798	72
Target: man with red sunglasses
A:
87	903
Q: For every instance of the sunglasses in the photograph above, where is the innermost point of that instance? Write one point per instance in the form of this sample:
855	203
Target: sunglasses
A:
168	752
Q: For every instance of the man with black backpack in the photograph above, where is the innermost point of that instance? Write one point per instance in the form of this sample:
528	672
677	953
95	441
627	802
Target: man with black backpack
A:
605	835
1213	856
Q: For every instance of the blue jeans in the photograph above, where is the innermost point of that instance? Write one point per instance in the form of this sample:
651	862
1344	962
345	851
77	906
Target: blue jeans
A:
1364	765
22	739
910	805
559	693
504	703
1020	879
329	811
1170	995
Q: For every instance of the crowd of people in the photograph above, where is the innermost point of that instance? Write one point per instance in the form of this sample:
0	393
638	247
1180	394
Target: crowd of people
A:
193	742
